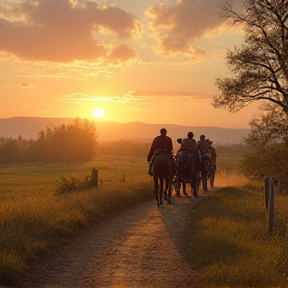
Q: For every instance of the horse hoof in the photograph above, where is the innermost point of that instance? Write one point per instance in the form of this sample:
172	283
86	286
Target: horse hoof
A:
169	201
161	202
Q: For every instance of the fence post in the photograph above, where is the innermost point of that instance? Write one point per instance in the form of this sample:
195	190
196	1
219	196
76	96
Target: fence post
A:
94	177
269	201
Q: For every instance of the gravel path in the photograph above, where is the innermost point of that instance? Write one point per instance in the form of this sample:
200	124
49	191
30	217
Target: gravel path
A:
143	247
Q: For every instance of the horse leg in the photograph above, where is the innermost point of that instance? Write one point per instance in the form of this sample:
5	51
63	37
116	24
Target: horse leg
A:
204	182
161	191
166	190
156	191
169	193
195	186
184	188
178	187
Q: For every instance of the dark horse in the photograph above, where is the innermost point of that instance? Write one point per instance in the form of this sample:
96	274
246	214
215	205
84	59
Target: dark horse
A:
205	165
162	172
185	172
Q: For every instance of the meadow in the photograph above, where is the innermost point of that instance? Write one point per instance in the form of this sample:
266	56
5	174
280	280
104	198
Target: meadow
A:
34	217
229	242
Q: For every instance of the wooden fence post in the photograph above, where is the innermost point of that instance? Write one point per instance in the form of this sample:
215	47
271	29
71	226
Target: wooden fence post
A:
94	177
269	201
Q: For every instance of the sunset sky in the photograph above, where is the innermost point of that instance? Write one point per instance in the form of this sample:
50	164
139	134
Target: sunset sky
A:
148	61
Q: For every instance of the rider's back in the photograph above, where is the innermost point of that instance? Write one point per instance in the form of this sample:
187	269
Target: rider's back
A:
189	144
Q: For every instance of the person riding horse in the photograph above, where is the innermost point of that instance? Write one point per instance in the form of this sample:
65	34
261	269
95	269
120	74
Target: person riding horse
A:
203	146
160	144
187	165
189	144
213	154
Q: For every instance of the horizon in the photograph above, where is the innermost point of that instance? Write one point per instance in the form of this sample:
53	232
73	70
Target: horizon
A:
152	63
130	122
29	128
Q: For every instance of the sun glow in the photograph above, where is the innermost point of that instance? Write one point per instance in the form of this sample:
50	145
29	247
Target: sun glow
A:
99	112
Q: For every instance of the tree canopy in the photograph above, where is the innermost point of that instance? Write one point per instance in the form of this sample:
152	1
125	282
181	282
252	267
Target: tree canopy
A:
267	153
260	66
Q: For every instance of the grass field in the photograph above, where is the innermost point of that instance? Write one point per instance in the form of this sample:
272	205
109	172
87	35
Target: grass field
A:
233	247
230	241
33	217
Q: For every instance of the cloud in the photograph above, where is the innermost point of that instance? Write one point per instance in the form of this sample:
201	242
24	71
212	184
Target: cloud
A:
25	85
60	31
22	85
179	26
147	93
146	97
77	98
122	53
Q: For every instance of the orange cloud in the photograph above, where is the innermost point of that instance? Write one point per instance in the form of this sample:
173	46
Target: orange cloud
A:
174	94
58	31
179	26
25	85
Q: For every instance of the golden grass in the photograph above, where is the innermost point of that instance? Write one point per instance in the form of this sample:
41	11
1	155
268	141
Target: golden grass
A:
33	218
230	242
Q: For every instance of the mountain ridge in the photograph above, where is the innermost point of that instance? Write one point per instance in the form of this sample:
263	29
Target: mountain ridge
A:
29	127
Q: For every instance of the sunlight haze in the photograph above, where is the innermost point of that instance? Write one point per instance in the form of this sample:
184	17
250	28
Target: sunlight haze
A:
146	61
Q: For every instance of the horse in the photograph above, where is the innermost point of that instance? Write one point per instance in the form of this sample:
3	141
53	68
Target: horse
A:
185	172
162	172
205	166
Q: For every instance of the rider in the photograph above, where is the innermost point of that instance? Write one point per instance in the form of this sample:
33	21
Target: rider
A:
213	154
160	142
203	146
189	144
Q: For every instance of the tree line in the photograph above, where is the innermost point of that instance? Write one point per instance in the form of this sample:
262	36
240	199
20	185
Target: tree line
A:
78	142
66	143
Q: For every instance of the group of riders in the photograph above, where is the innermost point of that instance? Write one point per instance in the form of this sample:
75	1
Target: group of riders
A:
200	149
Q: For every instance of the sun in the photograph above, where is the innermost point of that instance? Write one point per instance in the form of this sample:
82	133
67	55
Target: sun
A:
99	112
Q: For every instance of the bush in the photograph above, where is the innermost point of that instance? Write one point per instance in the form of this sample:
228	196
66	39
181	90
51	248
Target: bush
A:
72	184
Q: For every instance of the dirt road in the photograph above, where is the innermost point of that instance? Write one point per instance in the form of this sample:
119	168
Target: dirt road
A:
143	247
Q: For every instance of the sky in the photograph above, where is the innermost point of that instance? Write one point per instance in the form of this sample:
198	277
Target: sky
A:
150	61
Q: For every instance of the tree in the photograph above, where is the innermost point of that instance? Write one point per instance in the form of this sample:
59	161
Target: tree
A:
267	153
260	66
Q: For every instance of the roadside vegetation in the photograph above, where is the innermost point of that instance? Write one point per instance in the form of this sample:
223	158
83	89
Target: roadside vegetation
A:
230	243
36	212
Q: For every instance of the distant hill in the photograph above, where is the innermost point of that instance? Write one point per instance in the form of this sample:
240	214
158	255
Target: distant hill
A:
29	127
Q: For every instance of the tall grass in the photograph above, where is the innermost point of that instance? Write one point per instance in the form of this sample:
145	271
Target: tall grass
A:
34	217
230	242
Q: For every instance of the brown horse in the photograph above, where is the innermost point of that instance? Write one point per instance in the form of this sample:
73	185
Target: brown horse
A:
162	172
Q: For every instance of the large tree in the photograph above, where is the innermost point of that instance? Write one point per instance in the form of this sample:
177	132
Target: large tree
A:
260	66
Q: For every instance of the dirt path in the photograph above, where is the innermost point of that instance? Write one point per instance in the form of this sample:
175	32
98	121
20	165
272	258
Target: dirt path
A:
143	247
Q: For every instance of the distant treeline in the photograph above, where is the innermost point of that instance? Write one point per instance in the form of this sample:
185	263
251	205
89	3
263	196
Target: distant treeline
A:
141	149
78	142
67	143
